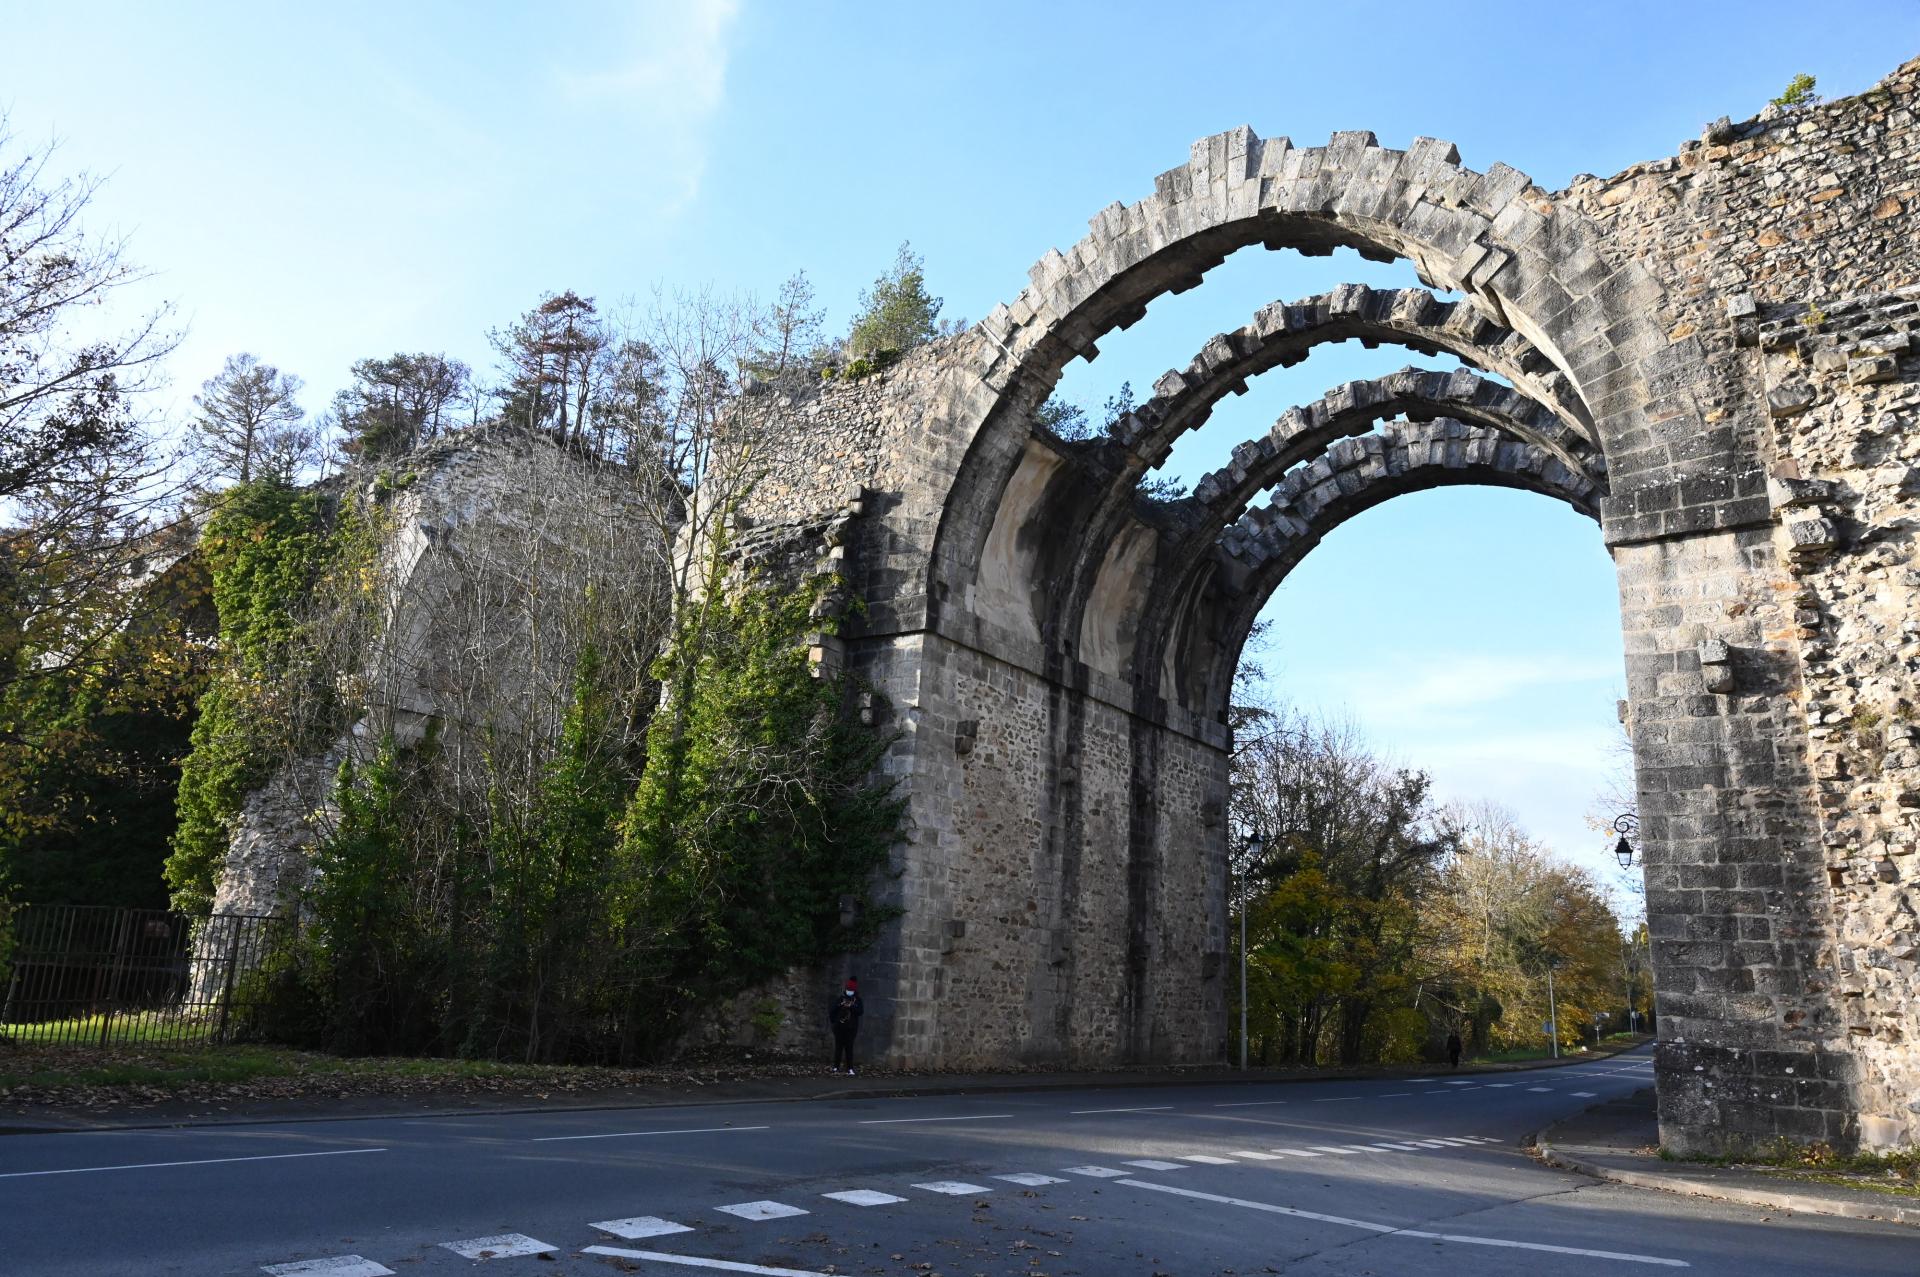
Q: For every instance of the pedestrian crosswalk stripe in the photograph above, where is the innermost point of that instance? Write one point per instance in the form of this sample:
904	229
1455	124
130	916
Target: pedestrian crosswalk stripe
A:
1325	1148
1583	1095
502	1246
1296	1152
1030	1180
337	1266
1096	1172
1152	1164
953	1187
640	1226
864	1197
1206	1159
1254	1157
760	1210
1541	1090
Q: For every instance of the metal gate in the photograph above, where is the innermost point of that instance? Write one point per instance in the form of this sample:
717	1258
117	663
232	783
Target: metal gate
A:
87	974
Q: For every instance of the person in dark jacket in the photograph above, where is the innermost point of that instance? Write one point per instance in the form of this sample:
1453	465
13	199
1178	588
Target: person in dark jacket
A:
843	1017
1453	1050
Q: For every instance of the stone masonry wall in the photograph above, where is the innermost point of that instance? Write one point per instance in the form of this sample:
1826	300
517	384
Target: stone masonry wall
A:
1783	662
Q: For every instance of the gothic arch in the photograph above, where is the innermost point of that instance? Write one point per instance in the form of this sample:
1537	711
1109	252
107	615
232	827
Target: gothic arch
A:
1531	265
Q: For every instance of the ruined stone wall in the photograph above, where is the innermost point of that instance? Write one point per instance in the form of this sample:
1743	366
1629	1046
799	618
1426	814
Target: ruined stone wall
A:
1772	670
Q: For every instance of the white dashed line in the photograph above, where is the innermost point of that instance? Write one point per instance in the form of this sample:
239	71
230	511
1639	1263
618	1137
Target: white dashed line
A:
1153	1164
205	1161
760	1210
1371	1227
1541	1090
1336	1099
1254	1157
1030	1180
1206	1159
640	1226
1584	1095
1144	1108
1249	1104
1324	1148
1296	1152
1095	1172
694	1261
504	1246
864	1197
1463	1084
627	1135
896	1121
337	1266
953	1187
1396	1095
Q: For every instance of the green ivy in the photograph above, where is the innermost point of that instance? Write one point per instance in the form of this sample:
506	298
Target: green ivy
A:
266	546
757	818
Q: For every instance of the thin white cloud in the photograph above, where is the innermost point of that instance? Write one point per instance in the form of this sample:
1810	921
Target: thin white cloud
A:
668	86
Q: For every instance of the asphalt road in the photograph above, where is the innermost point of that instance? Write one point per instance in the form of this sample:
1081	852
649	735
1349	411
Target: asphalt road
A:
1365	1178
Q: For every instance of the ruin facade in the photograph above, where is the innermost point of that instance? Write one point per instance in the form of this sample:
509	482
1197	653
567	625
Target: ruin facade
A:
1711	355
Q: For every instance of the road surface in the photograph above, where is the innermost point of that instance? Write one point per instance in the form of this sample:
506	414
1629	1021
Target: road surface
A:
1383	1178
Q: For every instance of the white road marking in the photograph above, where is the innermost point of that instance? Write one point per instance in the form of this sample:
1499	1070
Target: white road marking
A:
1153	1164
1254	1157
760	1210
1207	1159
1584	1095
1423	1079
623	1135
1430	1144
1499	1086
1404	1148
895	1121
504	1246
1463	1084
1391	1230
1335	1099
205	1161
1249	1104
1355	1148
1438	1091
1541	1090
1327	1148
953	1187
694	1261
864	1197
338	1266
1097	1172
640	1226
1448	1139
1029	1179
1144	1108
1396	1095
1296	1152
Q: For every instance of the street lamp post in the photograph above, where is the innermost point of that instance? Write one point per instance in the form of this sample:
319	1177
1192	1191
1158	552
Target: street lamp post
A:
1553	1015
1624	824
1256	844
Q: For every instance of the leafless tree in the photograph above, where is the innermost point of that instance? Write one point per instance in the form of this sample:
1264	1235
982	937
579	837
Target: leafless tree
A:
247	411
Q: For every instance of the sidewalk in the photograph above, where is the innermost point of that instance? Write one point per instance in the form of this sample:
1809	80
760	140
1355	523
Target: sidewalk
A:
1619	1141
686	1089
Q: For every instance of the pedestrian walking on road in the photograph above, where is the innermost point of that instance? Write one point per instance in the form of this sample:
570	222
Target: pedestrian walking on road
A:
1453	1050
843	1017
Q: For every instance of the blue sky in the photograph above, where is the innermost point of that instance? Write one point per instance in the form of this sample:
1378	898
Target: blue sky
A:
316	184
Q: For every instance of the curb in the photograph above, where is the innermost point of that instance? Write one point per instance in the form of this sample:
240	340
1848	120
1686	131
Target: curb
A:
1008	1083
1771	1200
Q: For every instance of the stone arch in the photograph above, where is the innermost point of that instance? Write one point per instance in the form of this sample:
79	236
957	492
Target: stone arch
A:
1355	406
1117	589
1282	333
1530	264
1255	554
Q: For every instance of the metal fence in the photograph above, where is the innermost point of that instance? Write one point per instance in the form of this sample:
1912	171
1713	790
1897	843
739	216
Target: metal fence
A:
93	975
